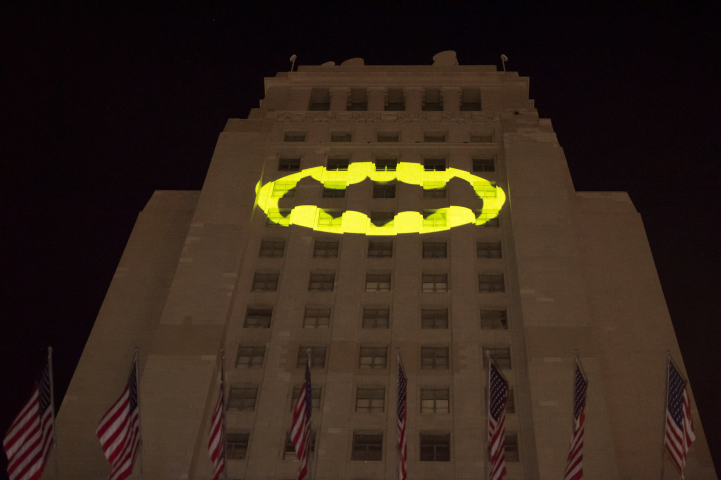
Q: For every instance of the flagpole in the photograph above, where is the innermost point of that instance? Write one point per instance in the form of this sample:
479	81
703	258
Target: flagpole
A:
52	405
665	408
222	393
136	357
318	432
398	397
573	394
488	416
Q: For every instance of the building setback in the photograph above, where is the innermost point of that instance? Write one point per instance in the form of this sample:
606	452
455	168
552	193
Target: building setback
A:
556	271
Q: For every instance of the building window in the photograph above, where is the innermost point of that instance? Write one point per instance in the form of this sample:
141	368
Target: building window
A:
258	317
482	137
370	399
386	164
265	282
434	165
338	164
383	219
435	250
434	318
315	393
236	445
272	248
333	192
242	398
488	250
494	319
316	318
434	190
358	100
395	100
373	357
325	249
377	317
435	448
289	449
278	217
491	220
289	165
485	190
384	190
434	357
435	283
321	282
319	100
388	137
250	356
511	450
435	400
470	100
432	100
317	357
484	165
434	219
294	137
380	249
330	218
378	282
367	447
283	190
510	400
491	283
434	137
501	357
341	137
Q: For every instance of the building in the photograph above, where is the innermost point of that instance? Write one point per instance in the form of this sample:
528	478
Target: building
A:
496	252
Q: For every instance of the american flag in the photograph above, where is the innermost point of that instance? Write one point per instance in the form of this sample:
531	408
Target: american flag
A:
28	440
679	427
119	430
216	439
300	431
498	393
402	410
574	466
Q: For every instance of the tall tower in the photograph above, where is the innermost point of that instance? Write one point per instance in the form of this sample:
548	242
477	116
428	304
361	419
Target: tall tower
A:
365	212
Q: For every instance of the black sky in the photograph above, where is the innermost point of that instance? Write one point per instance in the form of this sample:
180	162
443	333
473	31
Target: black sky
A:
99	108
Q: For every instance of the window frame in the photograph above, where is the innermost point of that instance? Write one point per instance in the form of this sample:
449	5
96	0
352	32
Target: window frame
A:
378	278
432	247
324	280
371	391
255	312
265	282
237	442
252	355
501	356
492	280
432	320
366	454
317	353
239	394
289	164
316	106
488	250
367	319
434	365
388	136
327	247
387	164
434	409
373	353
271	245
497	319
384	190
292	136
337	164
444	456
320	314
380	248
435	282
483	164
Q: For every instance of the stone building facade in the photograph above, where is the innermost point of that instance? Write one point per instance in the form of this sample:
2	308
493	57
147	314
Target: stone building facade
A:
556	271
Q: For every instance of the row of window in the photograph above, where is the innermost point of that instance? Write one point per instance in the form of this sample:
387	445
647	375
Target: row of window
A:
380	190
432	218
388	164
394	99
388	136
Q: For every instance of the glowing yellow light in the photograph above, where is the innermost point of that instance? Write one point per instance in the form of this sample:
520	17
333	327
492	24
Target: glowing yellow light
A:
350	221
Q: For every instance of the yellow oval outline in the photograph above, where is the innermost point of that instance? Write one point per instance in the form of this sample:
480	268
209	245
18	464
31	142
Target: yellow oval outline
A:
319	219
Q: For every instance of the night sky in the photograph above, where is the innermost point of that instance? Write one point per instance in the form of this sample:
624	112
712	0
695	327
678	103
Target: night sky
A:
99	108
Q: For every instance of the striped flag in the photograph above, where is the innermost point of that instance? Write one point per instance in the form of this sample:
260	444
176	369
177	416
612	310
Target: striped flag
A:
119	430
216	439
679	427
402	410
498	395
28	440
574	465
300	431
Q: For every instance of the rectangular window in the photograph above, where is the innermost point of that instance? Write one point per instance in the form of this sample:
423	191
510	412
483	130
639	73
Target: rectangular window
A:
378	282
289	449
317	357
258	317
491	219
367	447
435	448
511	450
386	164
338	164
289	165
491	283
434	219
283	190
376	317
333	192
434	357
373	357
383	219
395	101
316	318
384	190
315	393
319	100
265	282
434	164
501	357
488	250
330	218
325	249
434	137
434	318
272	248
236	445
388	136
482	137
341	137
380	249
435	250
494	320
510	402
242	398
294	137
321	282
485	190
435	283
358	100
470	100
250	356
434	190
484	165
432	100
370	399
435	400
278	217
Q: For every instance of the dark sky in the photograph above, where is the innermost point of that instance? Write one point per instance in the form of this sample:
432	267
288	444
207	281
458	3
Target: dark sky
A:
98	108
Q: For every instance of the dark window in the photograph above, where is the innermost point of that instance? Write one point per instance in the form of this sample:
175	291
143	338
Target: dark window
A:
376	317
435	250
289	449
382	219
434	318
265	282
381	190
470	100
435	400
434	191
380	249
434	137
341	137
338	164
432	100
434	165
289	165
481	138
388	136
272	248
333	192
317	357
319	100
258	317
491	220
283	190
434	219
395	101
434	357
378	282
373	357
367	447
316	318
386	164
370	399
321	282
491	283
511	450
294	137
435	283
484	165
494	319
236	445
325	249
501	357
315	393
329	218
250	356
488	250
242	398
278	216
358	100
435	448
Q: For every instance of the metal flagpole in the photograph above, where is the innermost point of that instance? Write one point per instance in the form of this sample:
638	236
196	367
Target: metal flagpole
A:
488	416
52	405
573	394
136	358
398	398
222	393
665	408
